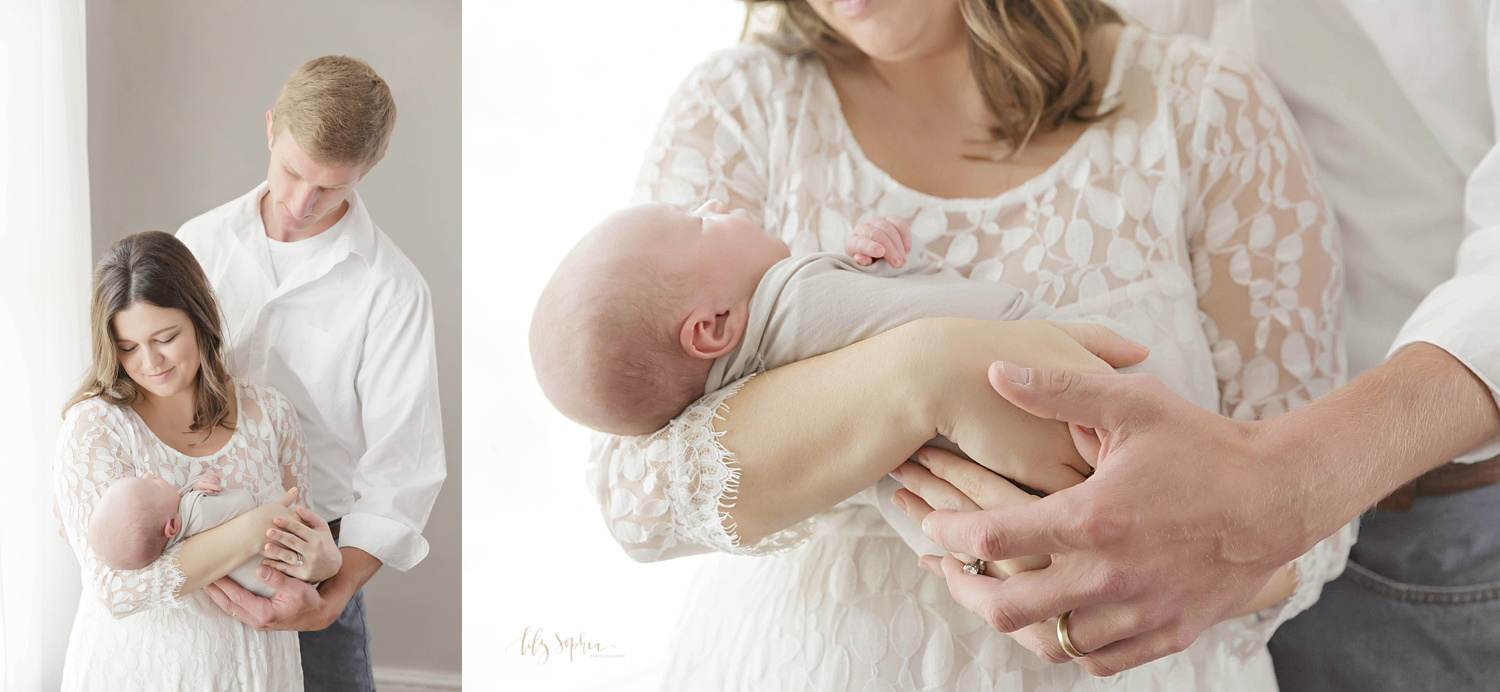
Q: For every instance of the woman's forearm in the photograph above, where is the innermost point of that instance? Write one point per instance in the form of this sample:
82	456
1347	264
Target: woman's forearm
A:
811	434
205	557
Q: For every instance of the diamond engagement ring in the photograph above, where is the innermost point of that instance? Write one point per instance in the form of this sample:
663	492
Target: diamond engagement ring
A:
976	567
299	560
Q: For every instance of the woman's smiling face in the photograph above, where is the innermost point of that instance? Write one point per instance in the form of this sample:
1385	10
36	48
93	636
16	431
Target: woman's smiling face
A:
157	347
895	30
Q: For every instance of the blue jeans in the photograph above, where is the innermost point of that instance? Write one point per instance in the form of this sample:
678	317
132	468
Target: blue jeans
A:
338	658
1418	607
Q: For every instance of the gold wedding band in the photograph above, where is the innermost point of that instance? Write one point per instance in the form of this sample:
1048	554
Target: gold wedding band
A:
1062	637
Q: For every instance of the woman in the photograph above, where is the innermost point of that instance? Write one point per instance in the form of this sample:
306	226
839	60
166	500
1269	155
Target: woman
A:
1104	170
158	401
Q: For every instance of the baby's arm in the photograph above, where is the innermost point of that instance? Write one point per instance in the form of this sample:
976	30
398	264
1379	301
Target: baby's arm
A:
881	237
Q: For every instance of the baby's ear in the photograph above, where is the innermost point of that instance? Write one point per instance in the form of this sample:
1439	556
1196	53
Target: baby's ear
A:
173	526
708	334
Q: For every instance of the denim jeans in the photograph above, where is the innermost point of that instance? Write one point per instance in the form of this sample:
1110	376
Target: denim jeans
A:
1418	607
337	659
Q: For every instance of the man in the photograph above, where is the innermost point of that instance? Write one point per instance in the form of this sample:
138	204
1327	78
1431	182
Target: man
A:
1397	102
322	306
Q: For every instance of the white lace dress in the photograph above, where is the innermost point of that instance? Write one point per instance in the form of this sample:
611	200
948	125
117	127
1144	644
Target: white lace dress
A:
1189	216
132	631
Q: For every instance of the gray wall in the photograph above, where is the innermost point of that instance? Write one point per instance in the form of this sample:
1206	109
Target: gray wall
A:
177	98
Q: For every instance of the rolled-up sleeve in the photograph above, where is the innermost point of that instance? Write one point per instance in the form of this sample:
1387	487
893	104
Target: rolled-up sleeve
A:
396	480
1462	315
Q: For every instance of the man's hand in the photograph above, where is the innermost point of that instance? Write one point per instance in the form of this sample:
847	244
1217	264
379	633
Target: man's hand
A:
208	483
296	606
1143	577
883	237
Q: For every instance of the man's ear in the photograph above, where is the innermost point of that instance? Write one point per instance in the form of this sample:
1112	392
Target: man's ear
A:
173	526
708	333
270	134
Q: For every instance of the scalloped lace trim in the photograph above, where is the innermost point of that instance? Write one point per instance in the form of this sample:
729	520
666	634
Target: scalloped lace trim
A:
172	578
704	509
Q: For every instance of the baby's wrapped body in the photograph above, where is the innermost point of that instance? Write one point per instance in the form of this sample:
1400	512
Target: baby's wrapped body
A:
201	511
813	304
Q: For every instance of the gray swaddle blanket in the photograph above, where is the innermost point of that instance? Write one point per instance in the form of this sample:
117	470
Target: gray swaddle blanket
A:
201	511
813	304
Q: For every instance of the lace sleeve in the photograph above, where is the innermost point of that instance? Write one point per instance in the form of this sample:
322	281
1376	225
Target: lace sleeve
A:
88	460
1267	265
667	494
291	446
712	140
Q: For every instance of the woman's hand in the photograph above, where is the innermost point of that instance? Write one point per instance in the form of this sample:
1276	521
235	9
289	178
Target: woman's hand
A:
1037	453
943	480
302	546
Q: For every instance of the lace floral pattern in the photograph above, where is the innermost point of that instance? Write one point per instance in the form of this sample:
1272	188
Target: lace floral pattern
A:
1189	216
133	630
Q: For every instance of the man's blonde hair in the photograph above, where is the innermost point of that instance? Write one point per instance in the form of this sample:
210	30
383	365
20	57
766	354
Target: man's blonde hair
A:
338	110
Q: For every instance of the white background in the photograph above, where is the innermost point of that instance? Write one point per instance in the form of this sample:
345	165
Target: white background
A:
560	101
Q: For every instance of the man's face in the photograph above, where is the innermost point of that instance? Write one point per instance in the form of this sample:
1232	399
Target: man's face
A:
305	198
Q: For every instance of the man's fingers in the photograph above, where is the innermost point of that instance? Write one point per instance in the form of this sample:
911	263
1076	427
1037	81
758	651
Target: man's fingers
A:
271	577
288	497
1102	341
1134	651
1025	599
1094	401
1034	528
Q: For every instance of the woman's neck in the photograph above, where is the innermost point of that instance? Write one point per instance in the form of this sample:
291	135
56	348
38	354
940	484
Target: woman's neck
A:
944	80
176	409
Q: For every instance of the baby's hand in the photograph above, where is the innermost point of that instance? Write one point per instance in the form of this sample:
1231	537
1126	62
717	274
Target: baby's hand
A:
883	237
208	483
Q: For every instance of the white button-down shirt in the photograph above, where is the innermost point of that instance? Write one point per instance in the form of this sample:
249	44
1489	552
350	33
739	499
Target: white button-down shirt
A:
1396	100
348	338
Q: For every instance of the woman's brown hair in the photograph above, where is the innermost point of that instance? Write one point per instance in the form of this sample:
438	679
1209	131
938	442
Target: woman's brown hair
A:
1027	57
156	268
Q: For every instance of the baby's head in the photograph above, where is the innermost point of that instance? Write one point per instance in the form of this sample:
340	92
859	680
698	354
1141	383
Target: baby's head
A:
133	520
625	332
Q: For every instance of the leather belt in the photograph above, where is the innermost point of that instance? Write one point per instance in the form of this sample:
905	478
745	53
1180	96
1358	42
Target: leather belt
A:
333	527
1447	479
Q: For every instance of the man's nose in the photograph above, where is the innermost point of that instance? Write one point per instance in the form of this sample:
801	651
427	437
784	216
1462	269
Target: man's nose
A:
303	203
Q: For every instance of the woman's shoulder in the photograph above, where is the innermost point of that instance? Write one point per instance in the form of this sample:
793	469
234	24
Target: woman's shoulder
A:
265	401
93	410
755	66
1190	64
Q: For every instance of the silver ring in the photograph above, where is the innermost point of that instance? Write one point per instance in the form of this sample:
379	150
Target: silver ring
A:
976	567
299	560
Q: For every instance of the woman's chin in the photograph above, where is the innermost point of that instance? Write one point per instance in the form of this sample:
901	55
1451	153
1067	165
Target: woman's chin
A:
162	390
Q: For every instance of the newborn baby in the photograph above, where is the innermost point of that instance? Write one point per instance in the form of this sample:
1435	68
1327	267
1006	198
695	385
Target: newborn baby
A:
657	307
138	518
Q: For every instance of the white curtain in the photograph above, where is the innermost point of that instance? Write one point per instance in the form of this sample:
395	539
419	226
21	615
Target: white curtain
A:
44	286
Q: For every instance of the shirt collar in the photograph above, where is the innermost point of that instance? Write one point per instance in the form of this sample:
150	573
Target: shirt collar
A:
358	236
